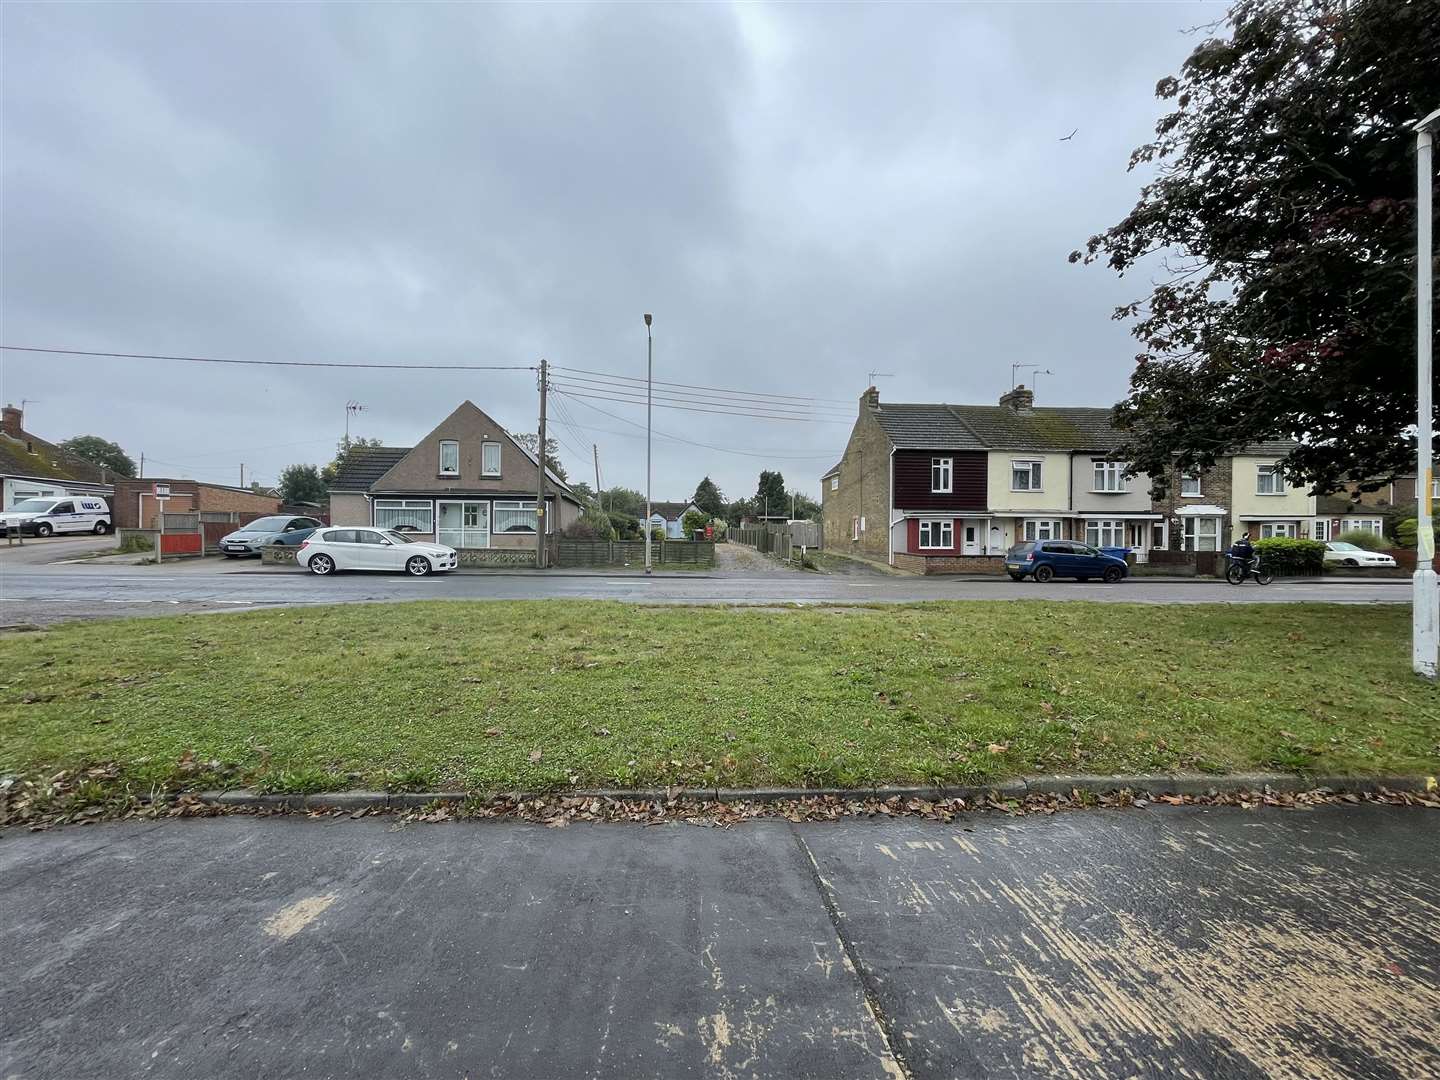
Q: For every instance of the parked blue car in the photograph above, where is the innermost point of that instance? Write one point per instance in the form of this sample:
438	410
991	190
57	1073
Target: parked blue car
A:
1046	559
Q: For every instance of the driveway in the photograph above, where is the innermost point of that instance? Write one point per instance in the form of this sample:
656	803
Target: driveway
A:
1167	942
37	552
739	560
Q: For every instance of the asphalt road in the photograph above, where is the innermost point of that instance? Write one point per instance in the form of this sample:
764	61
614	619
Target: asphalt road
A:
43	594
1165	942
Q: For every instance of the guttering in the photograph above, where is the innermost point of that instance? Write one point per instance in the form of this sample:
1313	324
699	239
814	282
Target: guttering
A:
890	508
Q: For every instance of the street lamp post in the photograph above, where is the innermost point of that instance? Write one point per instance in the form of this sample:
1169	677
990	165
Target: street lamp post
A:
649	381
1425	639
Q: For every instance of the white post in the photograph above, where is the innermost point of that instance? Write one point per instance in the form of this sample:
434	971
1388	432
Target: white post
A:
1425	640
649	385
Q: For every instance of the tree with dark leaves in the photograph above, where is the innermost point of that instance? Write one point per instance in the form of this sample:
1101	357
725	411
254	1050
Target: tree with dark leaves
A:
770	495
708	498
302	484
1283	215
98	451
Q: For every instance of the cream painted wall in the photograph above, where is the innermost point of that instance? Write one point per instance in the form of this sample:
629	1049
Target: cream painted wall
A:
1135	499
1054	495
1296	503
349	509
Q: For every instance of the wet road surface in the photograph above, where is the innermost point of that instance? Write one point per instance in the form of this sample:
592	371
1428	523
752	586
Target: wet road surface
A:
1165	942
40	595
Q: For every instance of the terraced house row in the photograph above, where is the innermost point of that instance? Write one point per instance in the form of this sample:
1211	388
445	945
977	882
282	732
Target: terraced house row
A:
942	488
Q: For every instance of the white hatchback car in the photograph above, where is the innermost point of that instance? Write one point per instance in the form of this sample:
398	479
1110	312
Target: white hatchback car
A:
1346	554
331	549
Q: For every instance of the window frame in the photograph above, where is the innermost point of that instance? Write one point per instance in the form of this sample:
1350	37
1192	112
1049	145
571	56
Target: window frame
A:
1282	530
442	470
834	483
1115	527
1103	470
1033	468
512	506
484	451
855	527
945	466
423	508
929	526
1320	530
1273	472
1373	526
1186	478
1032	525
1188	534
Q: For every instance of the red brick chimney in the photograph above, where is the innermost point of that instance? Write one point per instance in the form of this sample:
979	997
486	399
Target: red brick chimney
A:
12	422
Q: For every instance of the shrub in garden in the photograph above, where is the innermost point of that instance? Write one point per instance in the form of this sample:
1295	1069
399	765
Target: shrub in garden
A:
1281	555
1408	531
1363	538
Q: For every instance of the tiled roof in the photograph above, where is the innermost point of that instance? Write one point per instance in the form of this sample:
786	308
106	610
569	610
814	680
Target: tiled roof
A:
669	510
926	427
48	462
1271	446
364	465
999	427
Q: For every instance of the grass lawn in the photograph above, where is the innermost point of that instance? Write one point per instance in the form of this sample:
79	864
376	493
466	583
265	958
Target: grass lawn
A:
500	696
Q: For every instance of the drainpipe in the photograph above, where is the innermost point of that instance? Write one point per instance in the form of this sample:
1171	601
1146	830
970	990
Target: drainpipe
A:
890	509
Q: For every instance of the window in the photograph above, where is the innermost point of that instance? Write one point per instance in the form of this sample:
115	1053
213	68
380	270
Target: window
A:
1108	475
1105	533
1190	485
1321	529
862	522
854	528
1270	529
940	474
1435	488
1268	480
449	457
834	483
1374	526
412	515
515	517
490	459
340	536
368	536
937	534
1202	534
1024	476
1042	530
464	524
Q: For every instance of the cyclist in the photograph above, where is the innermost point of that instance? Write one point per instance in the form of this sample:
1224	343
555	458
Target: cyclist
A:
1243	552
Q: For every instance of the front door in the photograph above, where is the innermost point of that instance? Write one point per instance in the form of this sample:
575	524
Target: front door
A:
971	542
464	524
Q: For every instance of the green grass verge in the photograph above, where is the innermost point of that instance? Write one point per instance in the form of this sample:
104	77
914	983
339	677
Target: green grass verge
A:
500	696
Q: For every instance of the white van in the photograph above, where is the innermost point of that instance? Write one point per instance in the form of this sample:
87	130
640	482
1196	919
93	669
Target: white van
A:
67	514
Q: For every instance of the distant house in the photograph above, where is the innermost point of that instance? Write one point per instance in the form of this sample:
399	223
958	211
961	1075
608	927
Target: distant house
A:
31	468
670	516
135	506
466	484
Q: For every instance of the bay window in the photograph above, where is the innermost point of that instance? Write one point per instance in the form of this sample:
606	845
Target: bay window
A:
1201	534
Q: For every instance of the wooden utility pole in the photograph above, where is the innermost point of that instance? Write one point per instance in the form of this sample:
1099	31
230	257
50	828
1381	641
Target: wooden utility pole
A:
540	485
242	474
596	448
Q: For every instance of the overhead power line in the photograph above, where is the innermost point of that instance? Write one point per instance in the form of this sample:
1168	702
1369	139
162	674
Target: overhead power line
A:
770	454
704	397
664	403
271	363
611	376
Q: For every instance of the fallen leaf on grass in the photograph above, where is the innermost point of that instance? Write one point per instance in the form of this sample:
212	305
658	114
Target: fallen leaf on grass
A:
493	731
536	755
998	747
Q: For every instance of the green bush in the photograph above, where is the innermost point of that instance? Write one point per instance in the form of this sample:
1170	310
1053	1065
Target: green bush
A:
657	535
1281	555
692	522
1408	532
625	526
1363	538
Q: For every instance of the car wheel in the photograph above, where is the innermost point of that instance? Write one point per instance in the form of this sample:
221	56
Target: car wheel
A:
321	564
418	566
1043	574
1351	562
100	528
1017	577
1112	575
43	529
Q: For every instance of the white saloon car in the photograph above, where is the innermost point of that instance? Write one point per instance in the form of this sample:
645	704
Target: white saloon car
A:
1343	554
330	549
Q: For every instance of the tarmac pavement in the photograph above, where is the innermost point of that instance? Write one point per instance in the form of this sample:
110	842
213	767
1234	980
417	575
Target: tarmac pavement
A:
1191	942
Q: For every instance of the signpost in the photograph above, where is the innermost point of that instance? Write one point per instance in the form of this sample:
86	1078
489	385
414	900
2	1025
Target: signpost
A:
162	493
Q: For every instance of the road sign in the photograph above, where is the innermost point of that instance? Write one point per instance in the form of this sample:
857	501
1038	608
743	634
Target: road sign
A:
162	491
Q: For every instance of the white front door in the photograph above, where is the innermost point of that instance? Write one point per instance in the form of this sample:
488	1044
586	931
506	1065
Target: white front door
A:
971	543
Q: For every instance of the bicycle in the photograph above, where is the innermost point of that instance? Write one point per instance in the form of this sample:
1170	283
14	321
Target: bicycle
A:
1238	572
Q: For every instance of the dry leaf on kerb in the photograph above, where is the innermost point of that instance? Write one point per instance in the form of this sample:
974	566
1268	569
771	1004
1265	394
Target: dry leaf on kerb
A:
536	755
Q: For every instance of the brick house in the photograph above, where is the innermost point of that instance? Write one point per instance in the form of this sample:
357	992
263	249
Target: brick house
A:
135	506
941	488
466	484
31	468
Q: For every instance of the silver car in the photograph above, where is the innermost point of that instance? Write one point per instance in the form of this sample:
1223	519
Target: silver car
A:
278	529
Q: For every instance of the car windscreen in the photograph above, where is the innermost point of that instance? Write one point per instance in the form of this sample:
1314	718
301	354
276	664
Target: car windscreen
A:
1023	549
265	524
1340	545
398	537
32	506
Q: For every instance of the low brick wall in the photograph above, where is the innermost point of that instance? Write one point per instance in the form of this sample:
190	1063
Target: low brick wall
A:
496	556
631	553
279	554
950	564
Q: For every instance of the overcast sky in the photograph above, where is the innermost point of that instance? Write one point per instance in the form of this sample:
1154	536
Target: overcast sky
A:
800	193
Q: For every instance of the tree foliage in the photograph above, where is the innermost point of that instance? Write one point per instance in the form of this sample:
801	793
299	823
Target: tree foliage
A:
302	484
770	494
530	439
693	522
709	498
622	500
804	507
98	451
1282	214
343	449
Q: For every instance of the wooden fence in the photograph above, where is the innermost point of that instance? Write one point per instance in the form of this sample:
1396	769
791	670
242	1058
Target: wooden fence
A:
782	541
570	553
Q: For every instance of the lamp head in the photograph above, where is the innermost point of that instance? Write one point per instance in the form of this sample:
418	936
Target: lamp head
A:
647	320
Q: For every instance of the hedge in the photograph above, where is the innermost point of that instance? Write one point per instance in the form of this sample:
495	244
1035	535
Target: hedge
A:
1281	555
